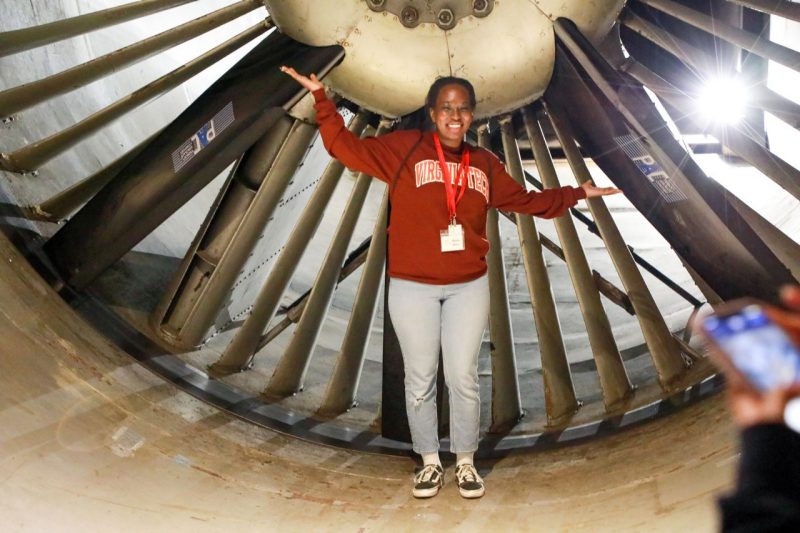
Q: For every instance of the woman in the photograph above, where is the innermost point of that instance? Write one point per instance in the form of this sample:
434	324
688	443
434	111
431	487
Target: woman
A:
440	191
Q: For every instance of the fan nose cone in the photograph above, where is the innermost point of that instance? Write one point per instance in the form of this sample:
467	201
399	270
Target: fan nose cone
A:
506	49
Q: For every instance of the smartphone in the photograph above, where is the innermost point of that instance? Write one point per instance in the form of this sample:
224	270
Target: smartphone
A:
747	342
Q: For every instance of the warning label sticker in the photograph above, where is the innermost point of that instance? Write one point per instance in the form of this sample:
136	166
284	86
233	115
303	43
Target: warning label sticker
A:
636	150
203	137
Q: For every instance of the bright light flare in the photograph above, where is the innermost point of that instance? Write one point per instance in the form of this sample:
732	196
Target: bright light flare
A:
723	101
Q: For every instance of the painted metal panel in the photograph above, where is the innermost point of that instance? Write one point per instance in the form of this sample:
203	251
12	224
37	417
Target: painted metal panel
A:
508	54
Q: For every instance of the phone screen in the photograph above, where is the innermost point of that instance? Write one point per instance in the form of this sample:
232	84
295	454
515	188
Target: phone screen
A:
759	348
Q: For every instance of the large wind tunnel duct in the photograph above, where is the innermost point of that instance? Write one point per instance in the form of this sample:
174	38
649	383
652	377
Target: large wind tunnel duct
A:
82	246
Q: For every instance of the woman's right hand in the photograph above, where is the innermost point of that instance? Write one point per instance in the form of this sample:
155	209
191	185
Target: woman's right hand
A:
312	83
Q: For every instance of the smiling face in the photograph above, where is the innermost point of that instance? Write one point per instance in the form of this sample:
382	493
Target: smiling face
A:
452	114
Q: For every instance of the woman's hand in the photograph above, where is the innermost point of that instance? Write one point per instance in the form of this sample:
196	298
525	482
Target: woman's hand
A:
592	191
312	83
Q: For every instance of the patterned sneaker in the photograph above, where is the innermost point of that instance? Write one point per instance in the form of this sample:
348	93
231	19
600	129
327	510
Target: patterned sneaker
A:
428	481
470	484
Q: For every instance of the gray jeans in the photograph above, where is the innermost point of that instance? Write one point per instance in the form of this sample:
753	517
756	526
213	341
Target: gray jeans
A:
454	317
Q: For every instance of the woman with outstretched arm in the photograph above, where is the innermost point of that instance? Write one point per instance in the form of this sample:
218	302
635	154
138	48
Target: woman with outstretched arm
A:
440	190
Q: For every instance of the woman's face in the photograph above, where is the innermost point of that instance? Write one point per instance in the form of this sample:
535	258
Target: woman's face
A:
452	114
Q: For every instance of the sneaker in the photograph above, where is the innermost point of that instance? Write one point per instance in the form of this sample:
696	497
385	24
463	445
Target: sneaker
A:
428	481
470	484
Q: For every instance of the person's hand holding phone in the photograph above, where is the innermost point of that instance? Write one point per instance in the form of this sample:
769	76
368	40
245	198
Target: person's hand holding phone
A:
788	320
759	395
758	348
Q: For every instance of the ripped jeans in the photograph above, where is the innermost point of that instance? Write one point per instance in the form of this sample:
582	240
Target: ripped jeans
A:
454	316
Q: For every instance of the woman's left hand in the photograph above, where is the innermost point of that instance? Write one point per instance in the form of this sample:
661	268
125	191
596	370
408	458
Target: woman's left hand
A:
592	191
311	83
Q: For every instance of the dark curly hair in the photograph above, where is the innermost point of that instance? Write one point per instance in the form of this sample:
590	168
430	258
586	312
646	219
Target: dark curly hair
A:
433	92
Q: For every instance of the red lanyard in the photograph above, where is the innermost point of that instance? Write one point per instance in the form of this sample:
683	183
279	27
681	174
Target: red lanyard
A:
452	197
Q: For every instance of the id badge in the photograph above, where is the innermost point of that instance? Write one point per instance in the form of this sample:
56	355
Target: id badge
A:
452	238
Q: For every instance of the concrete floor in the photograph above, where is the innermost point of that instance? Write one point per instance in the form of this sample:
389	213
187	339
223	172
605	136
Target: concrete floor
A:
92	440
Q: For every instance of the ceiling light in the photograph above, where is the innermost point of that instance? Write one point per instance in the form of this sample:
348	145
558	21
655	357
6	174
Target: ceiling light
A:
723	101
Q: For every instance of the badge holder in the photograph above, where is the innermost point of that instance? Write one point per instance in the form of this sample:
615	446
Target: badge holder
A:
452	237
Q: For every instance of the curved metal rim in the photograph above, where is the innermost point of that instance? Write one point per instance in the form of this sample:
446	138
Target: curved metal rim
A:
227	398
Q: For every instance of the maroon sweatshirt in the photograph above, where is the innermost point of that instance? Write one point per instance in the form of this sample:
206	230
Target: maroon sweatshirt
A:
417	195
